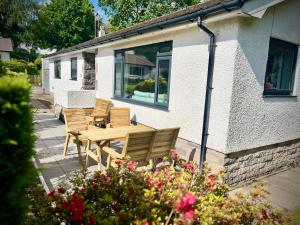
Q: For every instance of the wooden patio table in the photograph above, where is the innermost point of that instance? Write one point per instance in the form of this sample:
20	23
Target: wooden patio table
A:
102	136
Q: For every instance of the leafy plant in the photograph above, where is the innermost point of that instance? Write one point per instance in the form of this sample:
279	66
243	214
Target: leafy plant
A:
18	66
16	148
166	195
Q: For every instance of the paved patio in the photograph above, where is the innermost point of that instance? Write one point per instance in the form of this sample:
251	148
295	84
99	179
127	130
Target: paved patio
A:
284	186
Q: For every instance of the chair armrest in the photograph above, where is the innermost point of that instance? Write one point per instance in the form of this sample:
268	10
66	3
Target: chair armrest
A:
73	132
112	152
99	115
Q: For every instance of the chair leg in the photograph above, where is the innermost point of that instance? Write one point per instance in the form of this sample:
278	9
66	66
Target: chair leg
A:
66	144
79	151
99	158
151	164
108	161
87	149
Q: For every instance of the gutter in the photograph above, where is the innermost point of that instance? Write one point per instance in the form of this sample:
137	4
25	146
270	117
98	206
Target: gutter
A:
227	5
209	88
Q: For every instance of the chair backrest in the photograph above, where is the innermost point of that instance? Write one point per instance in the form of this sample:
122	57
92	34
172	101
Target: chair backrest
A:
75	119
102	106
138	145
119	117
164	142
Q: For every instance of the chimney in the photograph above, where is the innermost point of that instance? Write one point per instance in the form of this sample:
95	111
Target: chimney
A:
101	32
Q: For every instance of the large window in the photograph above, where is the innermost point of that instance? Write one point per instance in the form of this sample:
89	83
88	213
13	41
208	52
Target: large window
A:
280	68
143	73
74	68
57	72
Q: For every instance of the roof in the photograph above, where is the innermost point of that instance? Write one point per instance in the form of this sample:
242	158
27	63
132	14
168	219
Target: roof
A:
138	60
6	45
183	15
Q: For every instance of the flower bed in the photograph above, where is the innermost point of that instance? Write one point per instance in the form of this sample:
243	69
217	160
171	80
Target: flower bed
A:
167	195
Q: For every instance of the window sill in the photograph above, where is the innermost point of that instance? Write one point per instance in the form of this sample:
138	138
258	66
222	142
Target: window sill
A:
280	96
145	104
73	79
58	78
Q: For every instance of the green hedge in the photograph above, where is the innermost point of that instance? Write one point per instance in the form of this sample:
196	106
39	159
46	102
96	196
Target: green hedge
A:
16	148
21	66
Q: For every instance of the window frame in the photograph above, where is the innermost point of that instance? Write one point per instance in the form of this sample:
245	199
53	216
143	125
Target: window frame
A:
282	92
159	56
71	60
55	69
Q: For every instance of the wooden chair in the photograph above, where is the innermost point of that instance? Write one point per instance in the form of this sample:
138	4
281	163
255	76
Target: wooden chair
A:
119	117
100	113
75	120
164	142
137	146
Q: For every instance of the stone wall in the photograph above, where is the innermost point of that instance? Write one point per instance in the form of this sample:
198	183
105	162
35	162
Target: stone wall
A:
245	166
89	80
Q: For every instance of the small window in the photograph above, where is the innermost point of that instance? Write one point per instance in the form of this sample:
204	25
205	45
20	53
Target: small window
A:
57	69
281	65
74	68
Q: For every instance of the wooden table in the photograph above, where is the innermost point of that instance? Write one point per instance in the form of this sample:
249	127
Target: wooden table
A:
102	136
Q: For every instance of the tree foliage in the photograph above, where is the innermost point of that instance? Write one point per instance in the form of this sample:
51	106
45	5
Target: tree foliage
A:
14	17
124	13
63	23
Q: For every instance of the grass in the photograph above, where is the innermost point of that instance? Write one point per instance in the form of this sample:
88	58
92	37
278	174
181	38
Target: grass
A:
296	216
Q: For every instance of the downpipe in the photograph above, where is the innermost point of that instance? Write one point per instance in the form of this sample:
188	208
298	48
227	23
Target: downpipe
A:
210	72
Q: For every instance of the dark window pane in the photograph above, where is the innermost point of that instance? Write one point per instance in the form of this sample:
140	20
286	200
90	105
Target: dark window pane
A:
57	69
280	67
118	77
163	81
74	68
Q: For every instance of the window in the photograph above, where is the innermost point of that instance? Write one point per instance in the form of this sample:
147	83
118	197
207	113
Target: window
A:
143	73
74	68
280	68
57	69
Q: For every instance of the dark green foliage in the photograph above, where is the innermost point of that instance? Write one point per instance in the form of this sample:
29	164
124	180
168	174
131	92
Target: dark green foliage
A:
21	66
22	54
3	70
16	148
124	13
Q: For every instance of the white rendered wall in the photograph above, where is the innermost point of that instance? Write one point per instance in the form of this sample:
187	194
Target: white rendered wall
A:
254	120
4	56
188	81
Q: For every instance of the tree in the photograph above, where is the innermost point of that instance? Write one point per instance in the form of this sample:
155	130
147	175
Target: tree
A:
14	17
124	13
63	23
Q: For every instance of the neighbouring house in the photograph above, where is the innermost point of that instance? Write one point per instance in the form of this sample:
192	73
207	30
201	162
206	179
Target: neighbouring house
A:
247	114
6	48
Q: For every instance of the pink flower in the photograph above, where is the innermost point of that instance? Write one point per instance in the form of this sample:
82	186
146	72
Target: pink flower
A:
145	223
185	205
190	167
174	155
131	165
159	185
211	185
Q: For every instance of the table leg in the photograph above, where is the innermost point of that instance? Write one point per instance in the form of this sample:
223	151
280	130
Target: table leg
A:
87	151
79	150
98	149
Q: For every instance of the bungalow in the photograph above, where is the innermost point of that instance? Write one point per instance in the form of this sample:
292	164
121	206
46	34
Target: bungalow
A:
6	48
226	71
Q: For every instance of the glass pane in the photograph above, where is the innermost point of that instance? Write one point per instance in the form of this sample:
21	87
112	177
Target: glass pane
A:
118	77
73	68
140	73
163	81
57	69
280	66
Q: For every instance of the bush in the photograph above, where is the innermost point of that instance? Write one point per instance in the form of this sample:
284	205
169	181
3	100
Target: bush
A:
3	69
166	195
16	148
149	85
18	66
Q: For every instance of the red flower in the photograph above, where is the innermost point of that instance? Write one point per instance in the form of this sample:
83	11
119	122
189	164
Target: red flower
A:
82	190
95	186
92	220
211	185
77	208
264	214
145	223
159	185
65	204
190	167
131	191
185	205
131	165
52	195
61	190
118	162
174	155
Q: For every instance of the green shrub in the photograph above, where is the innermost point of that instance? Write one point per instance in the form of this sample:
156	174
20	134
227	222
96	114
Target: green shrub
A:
3	69
18	66
167	195
149	85
16	148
